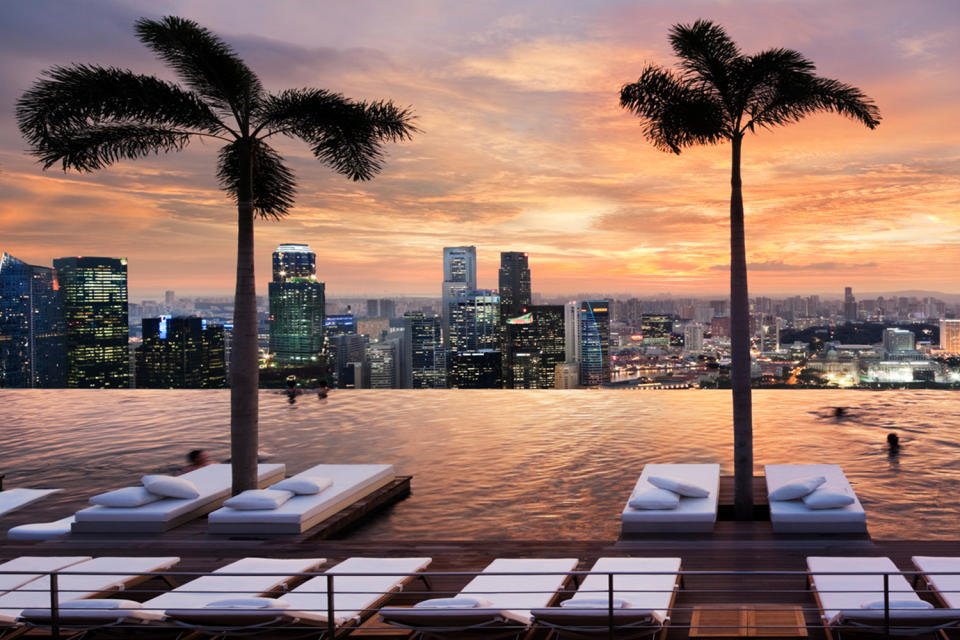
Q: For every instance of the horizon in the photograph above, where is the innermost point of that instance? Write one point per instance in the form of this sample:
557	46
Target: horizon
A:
524	147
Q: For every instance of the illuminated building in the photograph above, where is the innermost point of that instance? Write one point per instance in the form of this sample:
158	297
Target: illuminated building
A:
849	305
459	278
94	294
297	307
381	358
656	329
898	342
474	321
514	284
950	335
693	338
180	353
479	369
339	325
32	330
535	344
346	350
425	357
594	342
571	331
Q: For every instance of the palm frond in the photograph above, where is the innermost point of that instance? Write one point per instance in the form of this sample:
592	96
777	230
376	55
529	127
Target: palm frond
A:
274	186
205	62
92	147
344	134
675	113
705	51
69	98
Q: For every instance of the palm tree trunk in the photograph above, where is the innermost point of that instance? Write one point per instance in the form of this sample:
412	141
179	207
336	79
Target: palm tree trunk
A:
244	359
740	348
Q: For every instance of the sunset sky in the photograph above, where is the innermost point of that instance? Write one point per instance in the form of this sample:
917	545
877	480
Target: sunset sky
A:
523	148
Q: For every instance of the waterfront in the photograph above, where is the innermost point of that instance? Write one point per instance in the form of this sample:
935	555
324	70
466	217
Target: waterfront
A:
503	464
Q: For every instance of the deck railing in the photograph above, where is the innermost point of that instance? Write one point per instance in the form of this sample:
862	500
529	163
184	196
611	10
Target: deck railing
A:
696	591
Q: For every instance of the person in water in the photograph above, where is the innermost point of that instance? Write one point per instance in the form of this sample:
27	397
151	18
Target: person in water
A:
196	459
893	443
322	390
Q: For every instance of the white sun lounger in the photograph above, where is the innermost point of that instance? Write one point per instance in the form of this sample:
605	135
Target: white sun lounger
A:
643	600
793	516
351	482
355	597
945	586
511	598
38	564
74	583
842	598
13	499
691	515
213	482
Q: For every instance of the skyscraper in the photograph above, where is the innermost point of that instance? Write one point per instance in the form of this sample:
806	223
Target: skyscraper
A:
474	321
534	346
656	329
595	342
514	284
479	369
950	335
571	331
459	277
297	307
95	310
180	353
425	356
693	338
849	305
32	330
381	357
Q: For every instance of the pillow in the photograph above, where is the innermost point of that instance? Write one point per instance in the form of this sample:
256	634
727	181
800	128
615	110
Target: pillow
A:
258	499
460	602
594	603
170	487
126	497
303	486
103	603
654	498
796	488
897	604
248	603
828	497
678	486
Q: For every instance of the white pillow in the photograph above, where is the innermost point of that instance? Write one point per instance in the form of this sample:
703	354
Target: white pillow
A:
796	488
460	602
594	603
897	604
103	603
248	603
170	486
828	497
678	486
126	497
654	498
257	499
304	485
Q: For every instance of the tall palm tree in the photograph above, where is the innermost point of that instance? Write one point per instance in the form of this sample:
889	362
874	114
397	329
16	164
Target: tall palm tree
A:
85	117
719	95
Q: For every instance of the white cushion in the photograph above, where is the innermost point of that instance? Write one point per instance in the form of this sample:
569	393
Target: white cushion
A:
678	486
897	604
460	602
595	603
654	498
303	485
126	497
256	499
102	603
170	487
796	488
248	603
828	497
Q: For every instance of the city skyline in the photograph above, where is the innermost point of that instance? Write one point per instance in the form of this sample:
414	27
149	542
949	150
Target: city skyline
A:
523	149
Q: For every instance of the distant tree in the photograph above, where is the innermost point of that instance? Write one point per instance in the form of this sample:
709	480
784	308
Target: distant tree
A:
86	117
719	95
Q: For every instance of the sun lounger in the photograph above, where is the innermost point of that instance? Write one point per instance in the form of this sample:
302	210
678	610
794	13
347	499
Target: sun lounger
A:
38	564
642	600
855	601
13	499
690	515
213	482
41	530
501	600
351	482
75	583
355	597
946	585
794	516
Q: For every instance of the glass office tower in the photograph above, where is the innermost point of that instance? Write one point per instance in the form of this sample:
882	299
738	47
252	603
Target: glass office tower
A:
180	353
297	307
594	342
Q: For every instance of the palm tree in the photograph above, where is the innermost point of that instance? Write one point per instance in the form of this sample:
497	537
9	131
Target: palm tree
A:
85	117
720	94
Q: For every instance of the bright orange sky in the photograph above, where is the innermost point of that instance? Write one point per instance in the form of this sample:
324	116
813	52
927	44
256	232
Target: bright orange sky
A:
524	148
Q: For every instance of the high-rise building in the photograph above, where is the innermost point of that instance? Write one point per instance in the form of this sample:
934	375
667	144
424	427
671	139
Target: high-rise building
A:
341	324
571	331
898	341
950	335
180	353
849	305
595	342
297	307
381	357
388	308
425	356
514	284
534	344
479	369
459	277
32	329
345	350
94	294
373	308
656	329
693	338
170	298
474	321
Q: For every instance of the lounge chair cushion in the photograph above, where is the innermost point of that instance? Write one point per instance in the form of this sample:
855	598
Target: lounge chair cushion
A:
248	603
897	604
102	603
170	487
594	603
304	485
459	602
258	499
41	530
796	489
654	498
126	497
685	489
829	496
